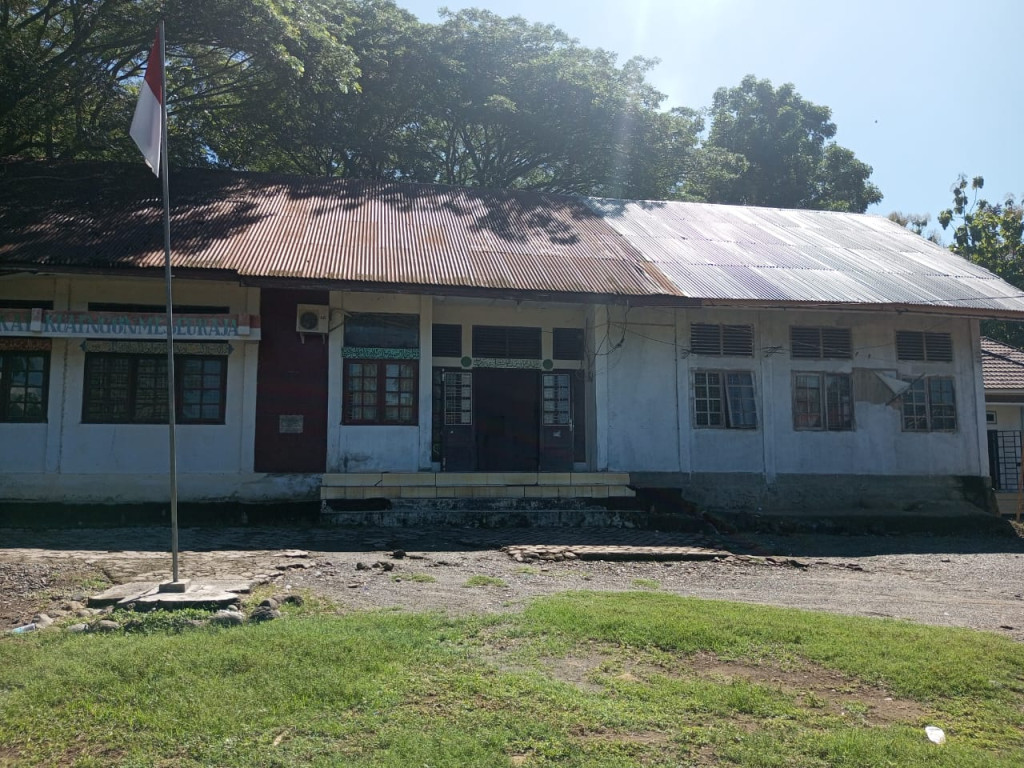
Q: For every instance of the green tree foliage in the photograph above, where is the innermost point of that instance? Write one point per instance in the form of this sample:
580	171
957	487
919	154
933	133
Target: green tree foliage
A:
916	223
362	89
992	235
503	103
777	150
69	70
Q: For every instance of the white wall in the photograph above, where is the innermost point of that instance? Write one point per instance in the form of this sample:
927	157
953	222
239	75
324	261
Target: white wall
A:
639	399
407	449
641	381
639	347
128	461
1008	417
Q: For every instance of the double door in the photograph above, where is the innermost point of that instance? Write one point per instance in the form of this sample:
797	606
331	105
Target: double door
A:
507	420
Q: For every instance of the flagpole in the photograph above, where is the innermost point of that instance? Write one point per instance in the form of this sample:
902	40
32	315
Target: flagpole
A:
170	307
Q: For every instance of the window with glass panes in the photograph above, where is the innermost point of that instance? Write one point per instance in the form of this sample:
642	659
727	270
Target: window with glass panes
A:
822	401
929	405
132	389
380	392
557	400
23	385
200	393
724	399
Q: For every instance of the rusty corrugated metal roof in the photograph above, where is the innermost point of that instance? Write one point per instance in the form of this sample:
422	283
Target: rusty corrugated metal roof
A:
363	233
746	254
259	225
1002	366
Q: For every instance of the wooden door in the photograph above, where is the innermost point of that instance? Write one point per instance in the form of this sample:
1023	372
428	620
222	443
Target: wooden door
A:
507	415
291	381
458	451
556	427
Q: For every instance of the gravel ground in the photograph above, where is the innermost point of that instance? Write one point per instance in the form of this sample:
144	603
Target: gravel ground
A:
970	582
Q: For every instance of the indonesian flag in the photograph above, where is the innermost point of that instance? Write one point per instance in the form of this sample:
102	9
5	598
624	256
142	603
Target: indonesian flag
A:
148	121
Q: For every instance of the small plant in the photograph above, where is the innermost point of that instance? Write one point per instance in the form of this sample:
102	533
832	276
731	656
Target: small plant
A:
814	701
484	581
422	578
650	584
159	621
528	570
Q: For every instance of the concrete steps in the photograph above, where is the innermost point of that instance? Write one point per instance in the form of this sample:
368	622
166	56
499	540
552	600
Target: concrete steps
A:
355	486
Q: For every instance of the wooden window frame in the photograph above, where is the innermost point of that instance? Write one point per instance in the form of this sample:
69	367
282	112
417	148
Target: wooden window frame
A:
824	347
439	336
931	346
921	395
92	358
722	340
729	401
381	394
823	409
6	385
568	340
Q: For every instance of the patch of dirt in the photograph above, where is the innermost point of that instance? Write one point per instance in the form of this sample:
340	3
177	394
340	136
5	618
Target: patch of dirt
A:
645	738
30	588
963	581
813	684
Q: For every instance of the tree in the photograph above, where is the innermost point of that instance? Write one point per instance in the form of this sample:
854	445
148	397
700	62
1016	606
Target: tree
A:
69	70
916	222
520	105
778	151
991	235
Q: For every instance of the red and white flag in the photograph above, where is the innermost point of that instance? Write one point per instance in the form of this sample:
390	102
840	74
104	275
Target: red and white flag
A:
147	124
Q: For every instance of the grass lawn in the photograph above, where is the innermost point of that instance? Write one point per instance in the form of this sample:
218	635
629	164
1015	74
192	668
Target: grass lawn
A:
582	679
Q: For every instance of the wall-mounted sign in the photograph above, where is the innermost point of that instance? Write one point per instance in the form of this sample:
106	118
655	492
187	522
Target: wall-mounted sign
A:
156	347
15	344
126	325
379	353
289	425
506	362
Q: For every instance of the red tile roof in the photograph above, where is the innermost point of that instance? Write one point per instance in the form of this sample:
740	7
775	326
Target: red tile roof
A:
1002	366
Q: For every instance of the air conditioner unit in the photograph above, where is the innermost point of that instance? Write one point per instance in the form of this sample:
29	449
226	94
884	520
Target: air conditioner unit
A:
312	318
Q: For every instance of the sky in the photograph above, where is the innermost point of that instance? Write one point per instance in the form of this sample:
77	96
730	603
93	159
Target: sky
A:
921	90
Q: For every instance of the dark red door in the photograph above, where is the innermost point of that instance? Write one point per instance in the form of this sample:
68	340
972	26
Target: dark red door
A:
507	405
291	387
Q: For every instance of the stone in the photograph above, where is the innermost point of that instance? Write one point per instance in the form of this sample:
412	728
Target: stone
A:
270	603
122	593
398	554
360	566
295	600
106	625
195	623
42	620
199	594
354	585
264	613
181	585
76	628
386	566
227	618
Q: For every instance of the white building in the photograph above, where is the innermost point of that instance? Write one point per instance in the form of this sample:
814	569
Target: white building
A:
1003	373
387	340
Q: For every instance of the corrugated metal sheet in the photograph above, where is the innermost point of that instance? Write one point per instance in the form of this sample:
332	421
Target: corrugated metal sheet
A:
327	230
322	230
742	254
